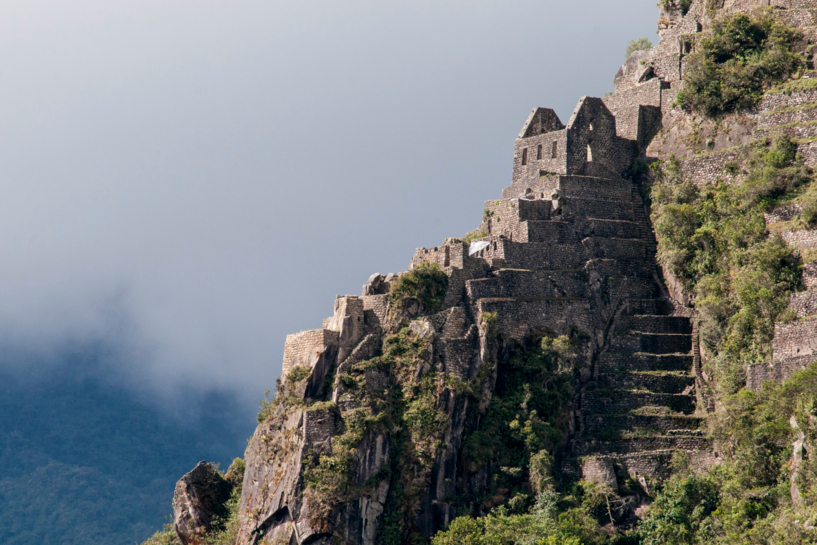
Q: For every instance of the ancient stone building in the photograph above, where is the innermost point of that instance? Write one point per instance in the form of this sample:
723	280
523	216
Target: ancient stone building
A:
567	248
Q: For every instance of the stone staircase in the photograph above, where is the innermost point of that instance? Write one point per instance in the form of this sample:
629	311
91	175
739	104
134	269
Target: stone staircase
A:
639	408
589	261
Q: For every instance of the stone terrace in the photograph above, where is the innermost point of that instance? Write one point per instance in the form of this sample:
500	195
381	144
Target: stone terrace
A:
569	246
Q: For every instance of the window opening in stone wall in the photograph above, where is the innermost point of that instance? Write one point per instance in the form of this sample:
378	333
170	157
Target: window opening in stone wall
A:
591	125
539	152
524	156
699	27
447	259
555	151
589	155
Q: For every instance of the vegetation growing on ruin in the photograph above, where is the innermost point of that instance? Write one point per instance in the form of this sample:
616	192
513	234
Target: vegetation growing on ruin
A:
745	499
682	5
285	393
641	44
426	284
748	497
554	519
731	67
526	421
714	241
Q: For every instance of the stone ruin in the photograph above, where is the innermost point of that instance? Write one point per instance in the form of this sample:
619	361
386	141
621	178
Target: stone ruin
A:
566	248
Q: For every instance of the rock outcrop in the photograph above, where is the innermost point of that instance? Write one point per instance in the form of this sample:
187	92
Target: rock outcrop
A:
365	441
198	501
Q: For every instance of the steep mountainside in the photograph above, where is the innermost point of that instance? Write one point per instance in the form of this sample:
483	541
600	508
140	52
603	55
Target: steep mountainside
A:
566	373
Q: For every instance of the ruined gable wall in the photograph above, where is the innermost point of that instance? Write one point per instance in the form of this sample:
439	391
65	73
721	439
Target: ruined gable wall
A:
548	163
625	106
609	152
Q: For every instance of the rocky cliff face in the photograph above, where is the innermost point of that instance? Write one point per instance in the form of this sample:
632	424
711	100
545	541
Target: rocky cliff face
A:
381	429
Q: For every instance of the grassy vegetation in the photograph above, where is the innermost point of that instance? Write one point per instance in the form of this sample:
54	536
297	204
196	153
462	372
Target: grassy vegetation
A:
568	519
683	5
714	241
285	393
732	66
426	284
641	44
747	498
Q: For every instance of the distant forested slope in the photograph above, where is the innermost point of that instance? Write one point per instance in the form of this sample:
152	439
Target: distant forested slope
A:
83	462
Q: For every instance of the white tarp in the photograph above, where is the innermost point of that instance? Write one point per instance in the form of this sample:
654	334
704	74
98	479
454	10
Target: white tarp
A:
477	246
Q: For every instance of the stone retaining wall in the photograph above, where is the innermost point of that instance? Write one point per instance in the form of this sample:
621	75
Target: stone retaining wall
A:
793	339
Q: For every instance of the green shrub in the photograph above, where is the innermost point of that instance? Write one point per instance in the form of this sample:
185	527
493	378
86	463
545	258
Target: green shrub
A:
676	516
809	215
641	44
166	536
714	241
747	498
426	283
733	65
683	5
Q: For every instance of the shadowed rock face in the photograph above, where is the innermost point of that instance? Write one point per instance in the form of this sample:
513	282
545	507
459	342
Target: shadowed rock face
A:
199	499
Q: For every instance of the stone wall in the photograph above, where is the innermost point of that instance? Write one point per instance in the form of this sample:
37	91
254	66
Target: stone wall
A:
798	338
708	168
628	106
804	303
783	213
776	371
453	254
318	426
800	238
536	187
786	116
299	347
375	307
800	97
593	148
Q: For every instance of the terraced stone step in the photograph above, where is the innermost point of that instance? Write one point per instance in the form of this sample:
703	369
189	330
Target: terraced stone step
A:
577	208
639	445
531	283
648	307
654	324
655	463
602	423
787	115
553	256
667	383
571	283
590	187
652	343
621	360
564	232
602	401
629	268
796	130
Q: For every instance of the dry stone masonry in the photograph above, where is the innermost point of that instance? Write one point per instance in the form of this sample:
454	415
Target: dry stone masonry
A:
566	249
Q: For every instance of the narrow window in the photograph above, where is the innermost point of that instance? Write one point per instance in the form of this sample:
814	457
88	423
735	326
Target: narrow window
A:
698	27
524	156
591	125
539	152
589	155
555	151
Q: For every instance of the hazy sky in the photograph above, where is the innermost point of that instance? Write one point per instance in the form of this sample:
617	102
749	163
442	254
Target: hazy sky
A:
186	182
